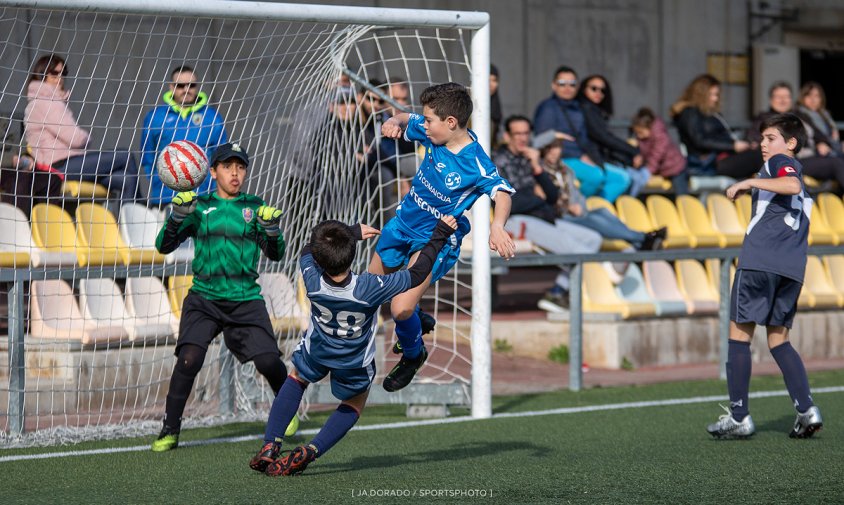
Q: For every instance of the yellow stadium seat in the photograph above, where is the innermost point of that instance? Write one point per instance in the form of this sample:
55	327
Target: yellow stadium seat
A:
84	190
744	205
725	219
634	214
832	208
53	231
596	202
599	295
696	287
100	242
811	182
658	183
177	289
694	217
818	287
713	271
663	213
819	231
835	267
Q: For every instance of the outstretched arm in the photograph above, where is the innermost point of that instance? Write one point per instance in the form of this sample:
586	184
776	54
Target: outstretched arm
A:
499	240
779	185
394	127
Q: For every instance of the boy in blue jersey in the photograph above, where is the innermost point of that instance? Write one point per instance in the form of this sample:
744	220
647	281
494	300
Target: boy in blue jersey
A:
340	338
454	174
769	278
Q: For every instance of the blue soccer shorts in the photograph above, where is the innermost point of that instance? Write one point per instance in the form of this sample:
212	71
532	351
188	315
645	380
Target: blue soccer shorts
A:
764	298
395	247
345	383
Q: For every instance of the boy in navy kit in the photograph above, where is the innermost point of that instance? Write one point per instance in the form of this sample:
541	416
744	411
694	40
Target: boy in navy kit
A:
769	278
454	174
340	338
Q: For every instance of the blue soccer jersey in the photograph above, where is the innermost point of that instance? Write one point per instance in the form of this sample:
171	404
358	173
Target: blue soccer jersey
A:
777	235
445	183
343	318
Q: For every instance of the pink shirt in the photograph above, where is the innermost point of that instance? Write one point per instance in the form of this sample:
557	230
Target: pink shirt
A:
50	127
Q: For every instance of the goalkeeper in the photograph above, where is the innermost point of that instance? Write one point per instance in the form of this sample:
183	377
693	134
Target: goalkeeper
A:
230	229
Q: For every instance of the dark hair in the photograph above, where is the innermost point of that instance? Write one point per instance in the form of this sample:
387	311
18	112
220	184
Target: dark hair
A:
606	104
516	117
45	64
561	69
789	127
180	69
779	84
449	99
333	246
493	70
645	118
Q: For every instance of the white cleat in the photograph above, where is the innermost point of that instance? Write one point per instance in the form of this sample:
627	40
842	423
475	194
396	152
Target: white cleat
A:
727	427
807	423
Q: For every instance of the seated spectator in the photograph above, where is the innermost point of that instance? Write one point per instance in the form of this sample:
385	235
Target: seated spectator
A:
711	147
183	115
817	157
56	139
595	96
570	204
662	156
812	103
562	112
23	181
533	215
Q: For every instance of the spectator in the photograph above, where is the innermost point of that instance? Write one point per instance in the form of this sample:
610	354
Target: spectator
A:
711	148
495	116
595	96
817	157
533	215
50	128
23	182
184	115
662	156
812	103
570	204
562	112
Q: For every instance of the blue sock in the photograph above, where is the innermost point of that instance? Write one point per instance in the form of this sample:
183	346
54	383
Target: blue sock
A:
794	374
340	422
738	377
409	333
284	407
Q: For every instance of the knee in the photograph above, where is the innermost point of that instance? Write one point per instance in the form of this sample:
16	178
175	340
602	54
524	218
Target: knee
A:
269	364
189	361
403	312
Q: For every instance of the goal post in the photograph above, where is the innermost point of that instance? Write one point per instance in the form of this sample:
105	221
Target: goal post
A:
90	344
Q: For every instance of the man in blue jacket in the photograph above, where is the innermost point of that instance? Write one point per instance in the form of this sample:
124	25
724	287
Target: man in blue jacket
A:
184	115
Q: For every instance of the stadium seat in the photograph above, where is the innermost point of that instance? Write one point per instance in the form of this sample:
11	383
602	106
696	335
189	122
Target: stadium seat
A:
662	286
139	225
102	304
713	271
696	287
15	237
53	232
55	315
182	254
595	203
84	190
177	289
819	231
694	216
744	207
657	183
599	295
663	213
286	313
725	219
833	210
818	290
633	288
835	268
100	242
634	214
147	302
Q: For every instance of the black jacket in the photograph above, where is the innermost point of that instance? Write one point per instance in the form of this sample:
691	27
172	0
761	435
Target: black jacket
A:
612	148
702	134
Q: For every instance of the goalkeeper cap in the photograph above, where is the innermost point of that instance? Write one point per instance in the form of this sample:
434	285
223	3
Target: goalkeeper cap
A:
229	151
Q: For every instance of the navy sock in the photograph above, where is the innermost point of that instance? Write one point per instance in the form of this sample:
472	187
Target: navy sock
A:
284	407
794	374
340	422
738	377
409	333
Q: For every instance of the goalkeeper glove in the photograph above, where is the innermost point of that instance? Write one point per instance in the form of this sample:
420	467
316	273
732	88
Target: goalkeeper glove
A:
183	204
269	218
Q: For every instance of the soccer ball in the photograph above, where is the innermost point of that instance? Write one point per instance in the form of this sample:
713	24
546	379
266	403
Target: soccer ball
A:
182	166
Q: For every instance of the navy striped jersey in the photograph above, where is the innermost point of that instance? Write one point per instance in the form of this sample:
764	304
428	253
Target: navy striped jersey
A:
778	232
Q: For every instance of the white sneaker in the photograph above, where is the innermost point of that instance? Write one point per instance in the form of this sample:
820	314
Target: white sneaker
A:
727	427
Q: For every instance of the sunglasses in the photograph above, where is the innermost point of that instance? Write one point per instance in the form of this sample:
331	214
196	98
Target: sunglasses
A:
567	82
597	89
58	73
183	85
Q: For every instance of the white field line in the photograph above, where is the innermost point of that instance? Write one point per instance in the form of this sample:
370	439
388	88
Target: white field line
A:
426	422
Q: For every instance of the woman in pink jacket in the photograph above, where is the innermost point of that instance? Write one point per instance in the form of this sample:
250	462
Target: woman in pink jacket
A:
662	156
56	139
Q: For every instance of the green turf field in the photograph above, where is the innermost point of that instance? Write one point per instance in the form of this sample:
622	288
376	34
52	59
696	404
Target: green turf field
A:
650	454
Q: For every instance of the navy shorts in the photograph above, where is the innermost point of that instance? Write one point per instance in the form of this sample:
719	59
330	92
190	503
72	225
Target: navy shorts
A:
764	298
246	326
395	247
345	383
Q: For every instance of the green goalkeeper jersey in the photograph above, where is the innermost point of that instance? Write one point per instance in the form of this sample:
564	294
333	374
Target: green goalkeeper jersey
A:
228	242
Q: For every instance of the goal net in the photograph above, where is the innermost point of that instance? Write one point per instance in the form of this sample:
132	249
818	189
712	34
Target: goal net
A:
92	310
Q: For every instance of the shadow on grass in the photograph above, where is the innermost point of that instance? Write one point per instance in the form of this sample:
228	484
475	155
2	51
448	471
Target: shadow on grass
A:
514	401
782	424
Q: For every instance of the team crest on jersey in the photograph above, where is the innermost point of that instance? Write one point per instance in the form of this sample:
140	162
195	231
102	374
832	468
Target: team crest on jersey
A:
196	119
452	180
248	214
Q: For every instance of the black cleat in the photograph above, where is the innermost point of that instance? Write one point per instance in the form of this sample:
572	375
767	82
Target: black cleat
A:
401	374
294	462
268	454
